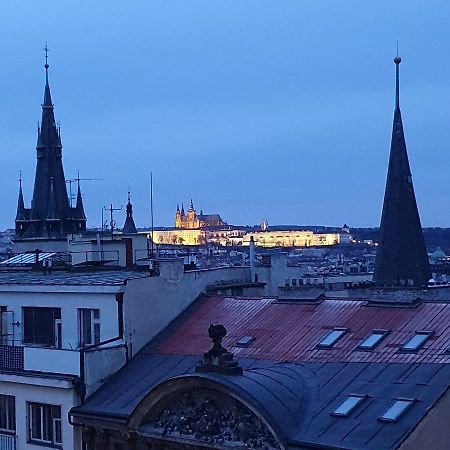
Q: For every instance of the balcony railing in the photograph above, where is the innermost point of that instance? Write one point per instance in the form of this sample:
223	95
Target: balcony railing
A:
7	442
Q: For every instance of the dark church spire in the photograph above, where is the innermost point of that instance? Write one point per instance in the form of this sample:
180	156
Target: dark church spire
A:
20	215
129	226
50	203
402	258
79	206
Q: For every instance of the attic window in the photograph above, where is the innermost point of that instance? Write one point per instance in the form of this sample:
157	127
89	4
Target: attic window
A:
396	410
416	341
348	406
371	341
332	337
245	341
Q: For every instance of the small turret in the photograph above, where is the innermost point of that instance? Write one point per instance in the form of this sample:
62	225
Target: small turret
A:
129	226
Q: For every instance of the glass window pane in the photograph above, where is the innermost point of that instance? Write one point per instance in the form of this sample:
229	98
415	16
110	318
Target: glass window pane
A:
396	410
47	423
58	434
331	338
348	405
35	421
416	341
371	341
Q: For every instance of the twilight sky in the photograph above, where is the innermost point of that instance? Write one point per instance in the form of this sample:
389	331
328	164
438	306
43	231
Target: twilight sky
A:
277	110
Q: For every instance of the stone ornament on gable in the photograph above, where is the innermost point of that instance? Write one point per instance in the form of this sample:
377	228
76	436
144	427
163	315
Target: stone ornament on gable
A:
207	416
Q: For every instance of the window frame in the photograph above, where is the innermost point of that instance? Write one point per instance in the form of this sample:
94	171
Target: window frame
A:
366	348
426	333
360	399
343	331
54	340
53	411
409	404
9	411
94	326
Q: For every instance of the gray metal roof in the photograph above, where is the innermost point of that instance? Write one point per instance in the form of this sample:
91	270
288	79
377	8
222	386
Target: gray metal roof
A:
297	397
69	278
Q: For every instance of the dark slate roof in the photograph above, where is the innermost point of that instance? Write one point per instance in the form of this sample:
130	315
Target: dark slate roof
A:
67	278
297	397
401	254
291	331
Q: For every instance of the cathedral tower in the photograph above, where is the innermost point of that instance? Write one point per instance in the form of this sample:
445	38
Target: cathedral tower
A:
51	214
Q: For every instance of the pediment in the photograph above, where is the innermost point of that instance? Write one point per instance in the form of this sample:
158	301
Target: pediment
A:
207	416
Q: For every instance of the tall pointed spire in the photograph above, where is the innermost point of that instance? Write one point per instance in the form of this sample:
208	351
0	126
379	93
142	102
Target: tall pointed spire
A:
79	205
402	258
50	200
52	212
20	215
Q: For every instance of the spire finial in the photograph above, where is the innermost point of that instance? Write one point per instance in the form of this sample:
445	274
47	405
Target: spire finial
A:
128	194
46	62
397	61
20	179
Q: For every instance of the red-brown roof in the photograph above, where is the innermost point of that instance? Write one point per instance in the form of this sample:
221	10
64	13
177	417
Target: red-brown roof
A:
291	331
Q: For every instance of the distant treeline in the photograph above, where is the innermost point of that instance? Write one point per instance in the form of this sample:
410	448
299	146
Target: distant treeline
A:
434	237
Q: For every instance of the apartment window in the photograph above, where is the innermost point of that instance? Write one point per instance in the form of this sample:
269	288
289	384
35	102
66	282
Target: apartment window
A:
396	410
294	281
44	424
371	341
416	341
7	413
3	326
348	405
89	326
42	326
332	337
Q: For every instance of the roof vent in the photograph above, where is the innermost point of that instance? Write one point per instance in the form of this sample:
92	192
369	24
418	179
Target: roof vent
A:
218	359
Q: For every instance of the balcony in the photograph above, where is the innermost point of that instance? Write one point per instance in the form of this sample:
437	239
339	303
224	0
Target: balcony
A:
39	359
7	442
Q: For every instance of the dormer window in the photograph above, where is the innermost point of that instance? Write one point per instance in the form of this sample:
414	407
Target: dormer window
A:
332	337
371	341
416	341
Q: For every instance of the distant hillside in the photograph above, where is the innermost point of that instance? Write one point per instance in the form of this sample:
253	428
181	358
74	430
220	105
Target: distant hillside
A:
434	237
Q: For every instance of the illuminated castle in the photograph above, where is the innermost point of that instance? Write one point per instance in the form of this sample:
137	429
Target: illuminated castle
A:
192	220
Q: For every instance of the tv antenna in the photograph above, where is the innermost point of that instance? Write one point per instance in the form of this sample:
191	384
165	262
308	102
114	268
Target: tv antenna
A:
112	222
77	180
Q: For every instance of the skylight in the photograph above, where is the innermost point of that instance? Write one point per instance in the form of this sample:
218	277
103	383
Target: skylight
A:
332	337
416	341
372	340
348	405
245	341
396	410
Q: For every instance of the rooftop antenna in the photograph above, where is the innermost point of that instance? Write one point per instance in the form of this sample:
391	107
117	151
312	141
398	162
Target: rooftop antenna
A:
151	210
112	222
77	180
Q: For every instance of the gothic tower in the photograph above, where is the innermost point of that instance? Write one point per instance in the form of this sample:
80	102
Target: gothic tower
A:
51	214
402	259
